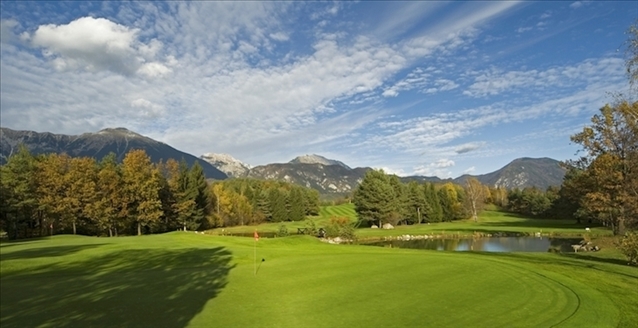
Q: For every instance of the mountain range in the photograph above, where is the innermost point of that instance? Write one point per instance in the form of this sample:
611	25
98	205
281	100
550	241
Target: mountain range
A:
328	176
97	145
331	176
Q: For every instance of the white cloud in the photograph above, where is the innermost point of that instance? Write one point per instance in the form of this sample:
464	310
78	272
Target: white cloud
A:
249	79
442	163
95	44
496	81
576	5
439	168
279	36
441	85
524	29
89	43
397	172
153	69
147	108
6	30
469	170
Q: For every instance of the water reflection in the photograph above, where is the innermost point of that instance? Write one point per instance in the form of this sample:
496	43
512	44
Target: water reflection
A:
496	244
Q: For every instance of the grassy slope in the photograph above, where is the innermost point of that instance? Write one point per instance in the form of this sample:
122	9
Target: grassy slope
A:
180	279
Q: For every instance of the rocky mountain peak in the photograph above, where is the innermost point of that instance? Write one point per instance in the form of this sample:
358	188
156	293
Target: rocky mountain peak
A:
317	159
119	132
227	164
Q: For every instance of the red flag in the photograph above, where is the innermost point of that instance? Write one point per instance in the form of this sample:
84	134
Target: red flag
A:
256	236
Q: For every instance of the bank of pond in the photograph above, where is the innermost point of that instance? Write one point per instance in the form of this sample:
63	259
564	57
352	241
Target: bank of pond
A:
465	243
491	244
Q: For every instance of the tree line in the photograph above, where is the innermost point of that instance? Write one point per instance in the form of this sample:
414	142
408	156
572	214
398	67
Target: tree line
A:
382	198
55	193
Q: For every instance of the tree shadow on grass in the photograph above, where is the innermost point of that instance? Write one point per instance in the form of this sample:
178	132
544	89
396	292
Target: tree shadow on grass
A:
574	261
539	223
579	255
130	288
45	252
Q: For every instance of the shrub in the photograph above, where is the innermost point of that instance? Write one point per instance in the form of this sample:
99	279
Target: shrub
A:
283	231
341	227
629	246
311	227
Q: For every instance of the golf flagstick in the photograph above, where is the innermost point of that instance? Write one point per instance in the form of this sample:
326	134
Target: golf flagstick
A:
256	235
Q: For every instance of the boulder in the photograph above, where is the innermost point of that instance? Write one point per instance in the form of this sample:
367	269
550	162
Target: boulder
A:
374	226
388	226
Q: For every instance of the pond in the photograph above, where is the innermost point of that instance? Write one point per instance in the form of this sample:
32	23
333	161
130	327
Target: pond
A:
495	244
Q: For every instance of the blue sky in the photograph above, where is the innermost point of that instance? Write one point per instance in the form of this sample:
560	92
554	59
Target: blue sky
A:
427	88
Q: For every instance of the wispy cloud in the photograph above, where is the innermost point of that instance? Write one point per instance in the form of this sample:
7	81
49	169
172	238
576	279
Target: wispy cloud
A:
496	81
439	168
415	87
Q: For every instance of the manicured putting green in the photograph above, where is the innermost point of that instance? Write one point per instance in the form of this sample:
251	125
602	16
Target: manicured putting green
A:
186	279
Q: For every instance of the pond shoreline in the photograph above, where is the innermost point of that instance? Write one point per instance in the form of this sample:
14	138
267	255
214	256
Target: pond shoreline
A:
474	235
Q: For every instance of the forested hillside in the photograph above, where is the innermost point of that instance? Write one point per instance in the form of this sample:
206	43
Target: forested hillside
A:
49	194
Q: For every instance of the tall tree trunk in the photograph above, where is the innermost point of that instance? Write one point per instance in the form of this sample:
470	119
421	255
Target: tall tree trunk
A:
620	227
139	228
74	228
474	211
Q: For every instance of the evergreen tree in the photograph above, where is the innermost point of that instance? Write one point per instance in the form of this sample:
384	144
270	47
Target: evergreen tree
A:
417	204
401	208
374	198
263	206
277	200
197	190
297	209
435	213
20	199
311	201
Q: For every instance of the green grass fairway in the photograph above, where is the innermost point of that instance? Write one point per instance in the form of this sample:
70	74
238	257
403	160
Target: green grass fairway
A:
187	279
490	221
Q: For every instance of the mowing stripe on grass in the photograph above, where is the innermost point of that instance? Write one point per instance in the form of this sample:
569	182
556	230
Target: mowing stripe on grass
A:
181	279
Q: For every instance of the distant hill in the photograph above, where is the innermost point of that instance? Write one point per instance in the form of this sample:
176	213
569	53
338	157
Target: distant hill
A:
324	178
524	172
97	145
520	173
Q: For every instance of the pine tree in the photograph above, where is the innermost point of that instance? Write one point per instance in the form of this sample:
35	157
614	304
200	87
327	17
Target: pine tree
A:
435	211
417	204
374	198
277	200
20	199
198	191
297	210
